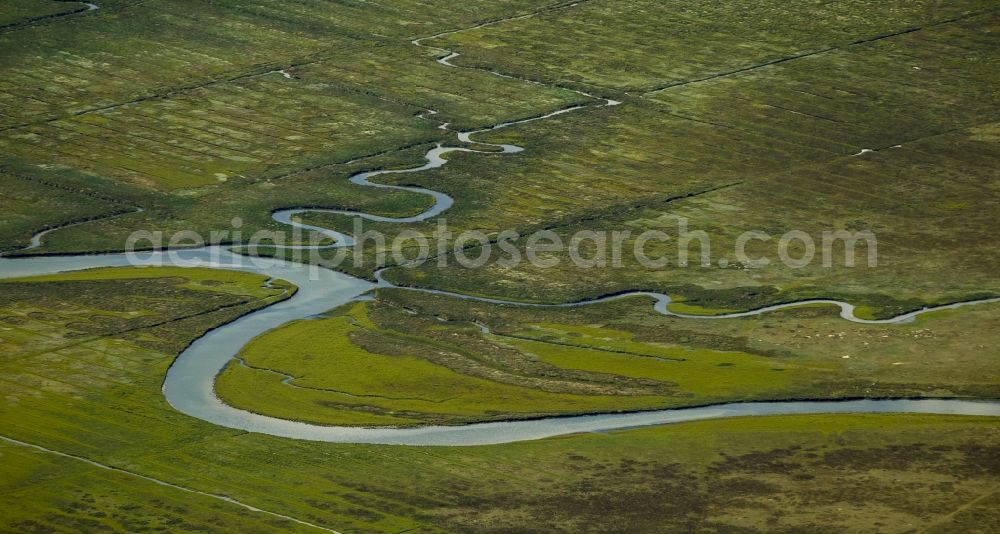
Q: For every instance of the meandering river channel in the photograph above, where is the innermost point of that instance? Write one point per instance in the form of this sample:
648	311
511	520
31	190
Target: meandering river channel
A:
189	384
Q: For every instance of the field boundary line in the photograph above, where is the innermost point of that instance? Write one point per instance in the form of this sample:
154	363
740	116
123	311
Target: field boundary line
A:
832	48
216	496
951	515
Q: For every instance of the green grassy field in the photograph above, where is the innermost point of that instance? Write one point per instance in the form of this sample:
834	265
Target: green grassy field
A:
770	149
762	137
16	13
410	358
83	363
773	116
645	45
184	107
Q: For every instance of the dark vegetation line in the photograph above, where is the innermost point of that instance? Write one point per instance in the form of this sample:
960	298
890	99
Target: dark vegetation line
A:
489	331
54	17
583	383
512	372
836	184
216	496
167	92
159	94
261	70
552	7
805	188
5	251
287	379
741	70
818	52
588	347
258	71
632	206
385	152
32	21
577	219
498	20
79	341
92	194
947	517
243	302
132	208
